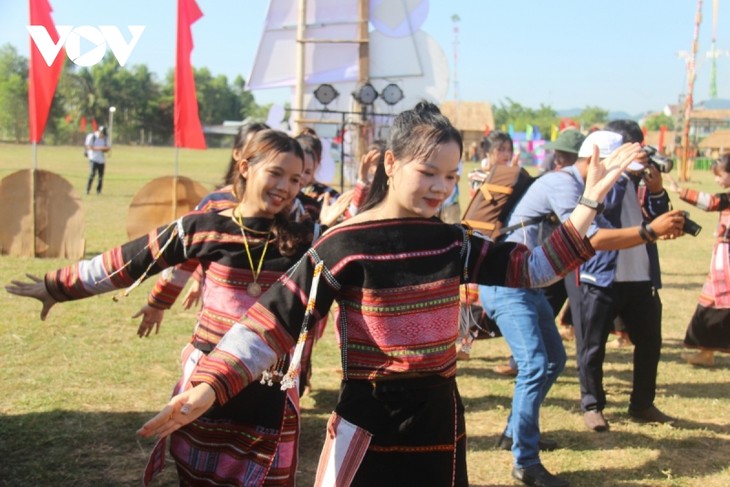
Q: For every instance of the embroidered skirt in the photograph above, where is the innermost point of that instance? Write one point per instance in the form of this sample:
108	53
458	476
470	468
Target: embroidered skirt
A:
396	433
250	441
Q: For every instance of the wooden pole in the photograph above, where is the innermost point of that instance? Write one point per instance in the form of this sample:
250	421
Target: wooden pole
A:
363	71
33	198
691	75
363	33
174	183
300	67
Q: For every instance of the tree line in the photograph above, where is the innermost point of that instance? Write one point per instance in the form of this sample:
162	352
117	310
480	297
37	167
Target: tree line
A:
545	119
144	105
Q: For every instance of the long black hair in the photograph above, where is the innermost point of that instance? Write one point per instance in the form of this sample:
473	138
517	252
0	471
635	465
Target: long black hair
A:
414	136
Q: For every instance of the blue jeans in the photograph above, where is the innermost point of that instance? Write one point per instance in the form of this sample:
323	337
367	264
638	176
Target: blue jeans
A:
527	323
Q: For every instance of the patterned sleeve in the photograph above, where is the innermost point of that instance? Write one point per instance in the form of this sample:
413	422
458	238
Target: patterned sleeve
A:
705	201
514	265
269	329
359	195
171	283
122	266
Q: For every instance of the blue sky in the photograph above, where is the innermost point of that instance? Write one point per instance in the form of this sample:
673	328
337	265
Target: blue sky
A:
618	55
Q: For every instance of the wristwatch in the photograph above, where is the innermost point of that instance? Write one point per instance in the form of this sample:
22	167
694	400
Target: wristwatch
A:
592	204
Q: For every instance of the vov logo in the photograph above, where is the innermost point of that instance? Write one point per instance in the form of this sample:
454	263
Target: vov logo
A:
99	37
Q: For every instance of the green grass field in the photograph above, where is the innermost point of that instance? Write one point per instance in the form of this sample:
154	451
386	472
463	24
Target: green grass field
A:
77	386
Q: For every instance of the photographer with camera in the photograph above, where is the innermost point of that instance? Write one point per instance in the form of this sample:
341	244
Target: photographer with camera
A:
622	280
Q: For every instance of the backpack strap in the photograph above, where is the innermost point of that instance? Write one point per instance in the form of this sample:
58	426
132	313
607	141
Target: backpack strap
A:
480	225
535	219
523	223
488	188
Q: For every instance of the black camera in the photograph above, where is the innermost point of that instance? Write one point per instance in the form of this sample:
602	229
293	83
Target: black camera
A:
690	227
663	164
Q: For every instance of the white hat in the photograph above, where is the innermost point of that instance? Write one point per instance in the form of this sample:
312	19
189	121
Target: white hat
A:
606	141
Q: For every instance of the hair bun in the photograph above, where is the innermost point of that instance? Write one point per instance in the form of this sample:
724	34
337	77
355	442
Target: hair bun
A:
425	107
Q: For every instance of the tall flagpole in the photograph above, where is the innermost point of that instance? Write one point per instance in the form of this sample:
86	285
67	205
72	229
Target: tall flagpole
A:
691	75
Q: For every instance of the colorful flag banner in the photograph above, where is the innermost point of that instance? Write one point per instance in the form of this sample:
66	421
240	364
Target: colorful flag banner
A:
553	132
42	79
188	130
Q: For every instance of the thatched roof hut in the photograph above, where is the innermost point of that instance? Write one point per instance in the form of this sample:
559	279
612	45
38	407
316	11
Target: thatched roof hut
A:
471	118
716	143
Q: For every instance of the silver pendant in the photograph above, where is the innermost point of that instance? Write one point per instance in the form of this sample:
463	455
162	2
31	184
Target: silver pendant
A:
254	289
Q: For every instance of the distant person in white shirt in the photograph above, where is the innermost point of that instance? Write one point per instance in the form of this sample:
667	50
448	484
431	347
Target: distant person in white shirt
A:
96	149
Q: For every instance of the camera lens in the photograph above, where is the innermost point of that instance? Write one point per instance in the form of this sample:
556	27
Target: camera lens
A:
662	164
690	227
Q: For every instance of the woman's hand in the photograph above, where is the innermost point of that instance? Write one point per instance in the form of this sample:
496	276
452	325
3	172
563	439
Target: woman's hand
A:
36	289
368	163
673	186
192	298
151	319
181	410
331	212
603	173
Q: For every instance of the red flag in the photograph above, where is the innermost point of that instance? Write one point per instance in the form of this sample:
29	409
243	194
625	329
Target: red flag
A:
93	124
82	124
188	131
42	79
339	137
566	122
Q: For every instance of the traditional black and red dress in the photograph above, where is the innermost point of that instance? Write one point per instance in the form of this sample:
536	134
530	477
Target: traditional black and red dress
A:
252	440
709	327
399	419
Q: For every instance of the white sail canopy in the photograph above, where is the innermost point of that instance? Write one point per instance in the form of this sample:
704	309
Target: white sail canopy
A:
399	51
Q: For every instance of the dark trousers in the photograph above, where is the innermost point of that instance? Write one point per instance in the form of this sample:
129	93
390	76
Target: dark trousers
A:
95	168
594	309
